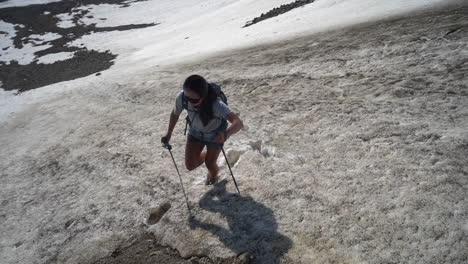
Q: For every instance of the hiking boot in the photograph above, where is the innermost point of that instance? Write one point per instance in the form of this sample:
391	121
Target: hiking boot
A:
211	181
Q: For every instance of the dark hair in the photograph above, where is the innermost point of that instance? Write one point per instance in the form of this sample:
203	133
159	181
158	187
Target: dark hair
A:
201	87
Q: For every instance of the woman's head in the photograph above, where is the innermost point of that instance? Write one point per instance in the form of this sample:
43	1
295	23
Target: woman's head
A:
195	87
200	94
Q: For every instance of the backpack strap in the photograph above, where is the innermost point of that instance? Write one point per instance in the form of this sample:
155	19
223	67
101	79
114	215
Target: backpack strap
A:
184	103
187	119
219	92
188	122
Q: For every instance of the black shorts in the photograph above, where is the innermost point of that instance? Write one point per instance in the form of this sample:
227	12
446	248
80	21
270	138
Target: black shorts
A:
208	144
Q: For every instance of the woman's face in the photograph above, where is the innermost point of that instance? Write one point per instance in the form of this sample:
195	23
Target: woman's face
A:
193	98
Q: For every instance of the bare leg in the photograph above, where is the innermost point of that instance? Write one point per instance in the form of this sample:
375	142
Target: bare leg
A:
194	157
210	162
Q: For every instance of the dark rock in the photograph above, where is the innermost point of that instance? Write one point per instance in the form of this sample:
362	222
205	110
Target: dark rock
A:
278	11
84	63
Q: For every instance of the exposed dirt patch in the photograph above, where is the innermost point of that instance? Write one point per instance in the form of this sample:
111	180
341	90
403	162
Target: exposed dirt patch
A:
157	213
145	250
25	77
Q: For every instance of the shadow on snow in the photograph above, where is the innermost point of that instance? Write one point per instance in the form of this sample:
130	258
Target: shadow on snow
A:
252	226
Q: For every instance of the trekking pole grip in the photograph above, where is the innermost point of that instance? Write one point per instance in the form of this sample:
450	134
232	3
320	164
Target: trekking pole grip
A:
165	143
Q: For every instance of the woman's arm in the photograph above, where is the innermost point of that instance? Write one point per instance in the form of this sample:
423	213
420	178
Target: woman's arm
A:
236	125
172	122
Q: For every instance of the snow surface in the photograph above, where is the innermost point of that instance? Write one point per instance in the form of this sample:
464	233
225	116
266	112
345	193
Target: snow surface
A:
210	26
5	39
65	20
357	169
39	39
193	29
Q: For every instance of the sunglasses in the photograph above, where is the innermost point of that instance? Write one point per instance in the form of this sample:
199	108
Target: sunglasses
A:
192	100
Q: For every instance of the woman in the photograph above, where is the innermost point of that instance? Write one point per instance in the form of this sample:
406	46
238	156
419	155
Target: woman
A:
207	115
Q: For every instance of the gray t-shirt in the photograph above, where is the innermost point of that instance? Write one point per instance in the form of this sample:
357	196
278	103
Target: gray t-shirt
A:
197	129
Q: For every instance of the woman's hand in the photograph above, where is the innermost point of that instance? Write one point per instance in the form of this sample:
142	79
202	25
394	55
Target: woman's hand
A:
165	142
236	125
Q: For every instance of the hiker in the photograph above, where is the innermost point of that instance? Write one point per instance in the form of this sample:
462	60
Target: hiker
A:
207	115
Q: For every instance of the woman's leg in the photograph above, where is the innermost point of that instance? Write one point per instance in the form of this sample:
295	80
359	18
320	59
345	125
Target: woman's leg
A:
194	156
210	162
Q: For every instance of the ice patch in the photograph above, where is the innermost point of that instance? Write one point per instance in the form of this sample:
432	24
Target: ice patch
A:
39	39
8	31
107	15
5	44
51	58
65	20
7	27
23	56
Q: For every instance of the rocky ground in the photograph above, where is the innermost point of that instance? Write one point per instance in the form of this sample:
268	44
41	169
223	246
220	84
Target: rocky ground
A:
354	151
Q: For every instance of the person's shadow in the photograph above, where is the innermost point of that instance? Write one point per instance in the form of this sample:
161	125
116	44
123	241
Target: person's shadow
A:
252	226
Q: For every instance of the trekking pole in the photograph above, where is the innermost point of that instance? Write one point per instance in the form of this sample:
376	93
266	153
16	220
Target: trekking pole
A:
169	147
229	166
